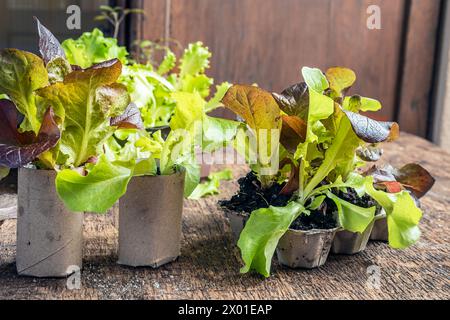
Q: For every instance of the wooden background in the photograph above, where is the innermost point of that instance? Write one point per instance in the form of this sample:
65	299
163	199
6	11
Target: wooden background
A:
268	41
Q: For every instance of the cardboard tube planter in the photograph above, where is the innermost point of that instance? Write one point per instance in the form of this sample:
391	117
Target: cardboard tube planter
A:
380	228
346	242
305	249
237	222
49	237
150	221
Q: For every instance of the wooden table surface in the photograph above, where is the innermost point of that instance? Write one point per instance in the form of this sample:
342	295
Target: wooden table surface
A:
209	265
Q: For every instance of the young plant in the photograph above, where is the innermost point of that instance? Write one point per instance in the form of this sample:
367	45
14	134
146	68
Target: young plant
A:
116	16
323	141
58	118
191	129
151	86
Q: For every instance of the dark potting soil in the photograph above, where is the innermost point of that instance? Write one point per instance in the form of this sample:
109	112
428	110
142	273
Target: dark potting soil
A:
325	217
365	202
252	197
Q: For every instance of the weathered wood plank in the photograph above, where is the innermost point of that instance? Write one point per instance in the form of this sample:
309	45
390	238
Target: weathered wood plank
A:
209	265
418	67
267	42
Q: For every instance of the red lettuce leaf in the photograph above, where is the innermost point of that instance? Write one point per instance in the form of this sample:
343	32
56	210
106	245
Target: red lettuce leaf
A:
130	119
294	101
49	46
293	183
18	149
372	131
293	132
412	177
415	178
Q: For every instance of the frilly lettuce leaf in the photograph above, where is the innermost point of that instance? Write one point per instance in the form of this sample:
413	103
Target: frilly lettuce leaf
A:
190	114
150	92
179	152
85	101
195	60
92	48
22	73
169	62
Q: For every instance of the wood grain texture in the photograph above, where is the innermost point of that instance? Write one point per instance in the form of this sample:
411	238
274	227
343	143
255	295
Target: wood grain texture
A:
154	24
267	42
418	63
209	265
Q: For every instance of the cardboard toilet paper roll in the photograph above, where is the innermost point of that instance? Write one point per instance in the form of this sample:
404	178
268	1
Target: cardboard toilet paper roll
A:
49	237
150	221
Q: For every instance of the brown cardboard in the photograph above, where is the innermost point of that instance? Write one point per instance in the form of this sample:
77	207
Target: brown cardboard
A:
237	222
150	221
49	237
305	249
380	229
346	242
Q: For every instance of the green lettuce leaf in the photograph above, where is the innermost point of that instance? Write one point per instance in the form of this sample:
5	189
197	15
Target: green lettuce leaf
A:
86	101
315	79
22	74
195	60
216	101
92	48
357	103
211	187
403	216
262	233
179	152
169	62
150	92
96	192
352	217
4	172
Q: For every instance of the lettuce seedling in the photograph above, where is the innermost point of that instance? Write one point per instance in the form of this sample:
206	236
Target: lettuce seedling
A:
323	141
58	118
92	48
191	130
151	86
